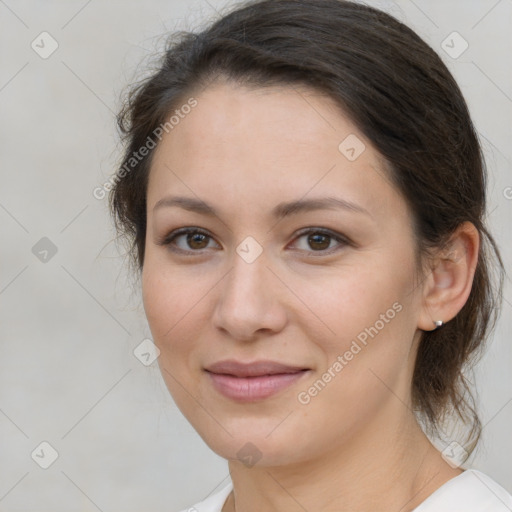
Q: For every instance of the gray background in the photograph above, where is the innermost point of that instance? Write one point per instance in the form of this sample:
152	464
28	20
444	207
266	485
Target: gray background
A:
69	324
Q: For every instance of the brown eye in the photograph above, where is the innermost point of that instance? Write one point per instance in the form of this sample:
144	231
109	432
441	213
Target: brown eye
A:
187	240
319	241
196	240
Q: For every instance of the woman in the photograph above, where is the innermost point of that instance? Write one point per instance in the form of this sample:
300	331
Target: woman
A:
304	194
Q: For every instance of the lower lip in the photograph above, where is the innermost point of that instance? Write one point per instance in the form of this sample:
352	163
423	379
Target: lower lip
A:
251	389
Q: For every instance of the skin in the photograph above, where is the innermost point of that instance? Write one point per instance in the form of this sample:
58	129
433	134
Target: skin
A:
356	446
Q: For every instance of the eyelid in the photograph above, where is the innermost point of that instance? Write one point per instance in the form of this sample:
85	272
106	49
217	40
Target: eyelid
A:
167	239
338	237
170	237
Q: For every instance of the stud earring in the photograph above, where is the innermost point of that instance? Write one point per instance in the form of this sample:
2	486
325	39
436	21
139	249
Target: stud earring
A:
438	323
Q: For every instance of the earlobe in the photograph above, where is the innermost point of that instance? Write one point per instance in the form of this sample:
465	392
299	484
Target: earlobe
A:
448	286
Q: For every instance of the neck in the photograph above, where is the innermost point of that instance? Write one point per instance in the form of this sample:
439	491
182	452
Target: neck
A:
379	469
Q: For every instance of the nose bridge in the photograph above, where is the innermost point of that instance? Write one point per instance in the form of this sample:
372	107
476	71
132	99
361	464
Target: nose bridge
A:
245	284
250	264
247	300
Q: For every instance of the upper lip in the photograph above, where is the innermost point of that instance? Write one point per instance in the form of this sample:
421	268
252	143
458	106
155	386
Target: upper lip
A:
254	369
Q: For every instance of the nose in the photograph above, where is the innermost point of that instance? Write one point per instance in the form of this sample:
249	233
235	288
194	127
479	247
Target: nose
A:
249	301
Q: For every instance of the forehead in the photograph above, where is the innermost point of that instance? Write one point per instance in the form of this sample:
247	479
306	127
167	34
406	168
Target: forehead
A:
227	113
262	144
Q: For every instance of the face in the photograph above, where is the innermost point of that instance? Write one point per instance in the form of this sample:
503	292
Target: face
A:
324	287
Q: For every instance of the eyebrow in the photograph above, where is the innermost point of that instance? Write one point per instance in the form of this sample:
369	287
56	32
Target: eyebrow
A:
280	211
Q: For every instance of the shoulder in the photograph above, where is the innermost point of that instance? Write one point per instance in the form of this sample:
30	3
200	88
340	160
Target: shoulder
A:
213	503
471	491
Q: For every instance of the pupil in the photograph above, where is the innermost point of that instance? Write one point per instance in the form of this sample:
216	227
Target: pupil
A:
194	238
317	241
321	241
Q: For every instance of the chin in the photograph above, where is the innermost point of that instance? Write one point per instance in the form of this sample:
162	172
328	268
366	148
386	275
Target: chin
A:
252	446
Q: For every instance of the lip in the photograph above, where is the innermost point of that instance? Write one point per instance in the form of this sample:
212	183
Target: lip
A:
254	369
249	382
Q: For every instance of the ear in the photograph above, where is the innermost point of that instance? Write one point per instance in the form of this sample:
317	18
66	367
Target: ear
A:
446	289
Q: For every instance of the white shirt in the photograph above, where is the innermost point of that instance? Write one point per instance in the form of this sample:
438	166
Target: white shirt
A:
471	491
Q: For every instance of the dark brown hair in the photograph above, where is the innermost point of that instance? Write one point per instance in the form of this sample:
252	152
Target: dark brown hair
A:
399	94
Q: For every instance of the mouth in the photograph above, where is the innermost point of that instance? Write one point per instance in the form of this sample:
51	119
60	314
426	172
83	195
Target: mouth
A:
249	382
254	369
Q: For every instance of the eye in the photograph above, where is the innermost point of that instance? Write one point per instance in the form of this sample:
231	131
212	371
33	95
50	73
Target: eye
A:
193	240
320	239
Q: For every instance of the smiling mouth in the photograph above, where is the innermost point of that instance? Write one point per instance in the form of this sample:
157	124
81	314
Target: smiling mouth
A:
253	369
253	388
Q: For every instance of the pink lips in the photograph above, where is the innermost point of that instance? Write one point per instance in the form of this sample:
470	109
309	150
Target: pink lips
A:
248	382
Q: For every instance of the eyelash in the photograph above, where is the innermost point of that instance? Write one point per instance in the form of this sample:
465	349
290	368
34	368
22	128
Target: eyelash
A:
168	239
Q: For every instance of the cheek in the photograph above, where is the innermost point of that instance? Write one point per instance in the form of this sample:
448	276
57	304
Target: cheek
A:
170	303
168	294
369	314
159	302
350	300
173	315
